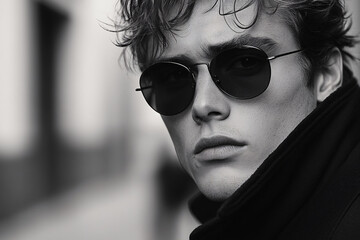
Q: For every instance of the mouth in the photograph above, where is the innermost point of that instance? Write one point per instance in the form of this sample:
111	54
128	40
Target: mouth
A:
217	147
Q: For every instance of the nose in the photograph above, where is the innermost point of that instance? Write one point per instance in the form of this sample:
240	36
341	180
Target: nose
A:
209	102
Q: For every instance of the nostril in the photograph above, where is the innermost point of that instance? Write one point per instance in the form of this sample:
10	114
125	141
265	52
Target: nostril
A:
214	114
200	118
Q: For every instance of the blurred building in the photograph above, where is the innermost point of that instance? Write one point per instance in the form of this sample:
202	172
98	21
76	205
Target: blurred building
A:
80	152
55	103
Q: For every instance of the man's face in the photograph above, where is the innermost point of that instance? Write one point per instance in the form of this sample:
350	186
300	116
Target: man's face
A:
236	135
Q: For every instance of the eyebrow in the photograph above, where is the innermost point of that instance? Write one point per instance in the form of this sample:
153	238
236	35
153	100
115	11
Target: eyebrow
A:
264	43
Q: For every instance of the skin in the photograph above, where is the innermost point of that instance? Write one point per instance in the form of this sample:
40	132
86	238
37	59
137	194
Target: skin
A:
259	124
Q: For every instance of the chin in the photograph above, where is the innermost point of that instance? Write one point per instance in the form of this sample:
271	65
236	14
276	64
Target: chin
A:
220	187
217	196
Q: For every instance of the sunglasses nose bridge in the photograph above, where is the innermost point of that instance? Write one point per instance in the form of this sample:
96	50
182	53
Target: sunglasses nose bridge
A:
213	76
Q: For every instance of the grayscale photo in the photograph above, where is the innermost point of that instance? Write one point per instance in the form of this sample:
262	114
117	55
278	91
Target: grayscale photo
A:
175	120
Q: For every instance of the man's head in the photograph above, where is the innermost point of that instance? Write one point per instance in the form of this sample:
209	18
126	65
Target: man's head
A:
220	137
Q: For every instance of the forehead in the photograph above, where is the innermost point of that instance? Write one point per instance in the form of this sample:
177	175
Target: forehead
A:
208	26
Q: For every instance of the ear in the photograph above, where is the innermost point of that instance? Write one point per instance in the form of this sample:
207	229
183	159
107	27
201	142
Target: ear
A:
330	77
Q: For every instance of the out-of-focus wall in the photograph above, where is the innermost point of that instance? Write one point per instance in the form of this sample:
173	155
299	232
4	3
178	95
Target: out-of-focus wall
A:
16	96
80	152
18	133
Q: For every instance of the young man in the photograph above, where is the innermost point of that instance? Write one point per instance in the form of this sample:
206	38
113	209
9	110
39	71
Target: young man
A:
262	110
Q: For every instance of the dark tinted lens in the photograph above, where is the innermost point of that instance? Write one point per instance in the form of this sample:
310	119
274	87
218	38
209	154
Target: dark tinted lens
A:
167	87
243	73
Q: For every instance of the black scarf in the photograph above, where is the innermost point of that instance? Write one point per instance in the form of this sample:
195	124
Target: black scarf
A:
303	187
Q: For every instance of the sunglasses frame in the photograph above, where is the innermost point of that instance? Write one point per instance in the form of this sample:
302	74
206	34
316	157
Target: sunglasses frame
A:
214	77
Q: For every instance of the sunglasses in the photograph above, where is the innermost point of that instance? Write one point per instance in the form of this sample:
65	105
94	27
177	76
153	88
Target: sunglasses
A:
241	73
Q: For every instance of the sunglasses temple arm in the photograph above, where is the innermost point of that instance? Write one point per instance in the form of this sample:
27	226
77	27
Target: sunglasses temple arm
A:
140	89
284	54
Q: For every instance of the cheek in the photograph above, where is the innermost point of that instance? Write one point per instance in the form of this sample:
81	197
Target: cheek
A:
181	135
288	85
176	130
286	102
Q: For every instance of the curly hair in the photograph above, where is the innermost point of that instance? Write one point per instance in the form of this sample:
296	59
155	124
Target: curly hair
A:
319	25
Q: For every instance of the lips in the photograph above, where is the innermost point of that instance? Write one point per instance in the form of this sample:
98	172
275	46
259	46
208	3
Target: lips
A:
214	142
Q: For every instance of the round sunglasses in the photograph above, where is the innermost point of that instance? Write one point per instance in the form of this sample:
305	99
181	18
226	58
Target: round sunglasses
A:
241	73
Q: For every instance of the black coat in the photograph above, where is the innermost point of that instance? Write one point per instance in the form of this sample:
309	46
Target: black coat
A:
308	188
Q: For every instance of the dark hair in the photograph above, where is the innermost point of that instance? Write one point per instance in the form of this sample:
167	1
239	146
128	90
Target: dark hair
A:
319	25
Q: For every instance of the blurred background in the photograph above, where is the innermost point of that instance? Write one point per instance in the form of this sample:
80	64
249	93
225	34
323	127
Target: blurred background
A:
81	154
